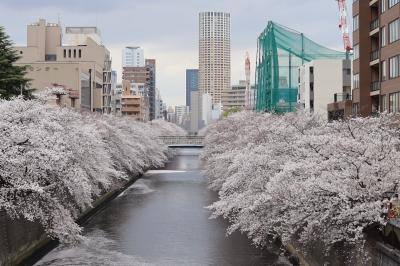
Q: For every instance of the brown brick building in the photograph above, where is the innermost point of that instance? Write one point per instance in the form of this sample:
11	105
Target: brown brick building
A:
145	75
376	65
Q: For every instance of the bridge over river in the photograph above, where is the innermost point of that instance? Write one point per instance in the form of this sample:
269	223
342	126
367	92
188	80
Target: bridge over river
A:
188	141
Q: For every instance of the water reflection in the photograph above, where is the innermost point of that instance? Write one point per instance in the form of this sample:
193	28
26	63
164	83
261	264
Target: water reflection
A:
161	220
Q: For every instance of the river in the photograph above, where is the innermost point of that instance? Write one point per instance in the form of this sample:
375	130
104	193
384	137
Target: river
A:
161	220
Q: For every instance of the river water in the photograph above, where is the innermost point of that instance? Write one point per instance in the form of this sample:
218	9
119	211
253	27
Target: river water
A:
161	220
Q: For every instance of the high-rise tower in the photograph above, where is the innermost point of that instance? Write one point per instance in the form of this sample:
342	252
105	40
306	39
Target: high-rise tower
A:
133	57
214	54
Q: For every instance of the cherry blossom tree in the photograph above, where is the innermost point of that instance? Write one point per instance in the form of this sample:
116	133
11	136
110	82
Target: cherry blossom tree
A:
54	162
299	178
164	128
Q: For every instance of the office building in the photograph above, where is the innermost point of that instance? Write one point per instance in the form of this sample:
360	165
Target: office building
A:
171	115
234	96
133	57
181	112
83	67
192	83
214	54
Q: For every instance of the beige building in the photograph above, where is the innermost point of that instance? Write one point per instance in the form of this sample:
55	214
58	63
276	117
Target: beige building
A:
82	66
133	105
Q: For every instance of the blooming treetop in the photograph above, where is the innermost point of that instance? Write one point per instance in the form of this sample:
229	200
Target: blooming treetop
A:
300	178
55	162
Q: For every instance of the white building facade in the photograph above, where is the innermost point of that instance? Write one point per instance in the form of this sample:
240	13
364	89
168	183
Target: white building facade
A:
322	81
214	54
201	113
133	57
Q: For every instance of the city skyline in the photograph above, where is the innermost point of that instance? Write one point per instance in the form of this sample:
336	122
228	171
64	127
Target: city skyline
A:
178	34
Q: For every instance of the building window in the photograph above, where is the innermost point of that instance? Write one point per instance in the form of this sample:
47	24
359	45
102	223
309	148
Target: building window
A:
50	57
384	103
69	53
383	37
383	76
65	53
355	23
394	30
393	2
394	102
356	81
80	53
394	67
356	51
74	53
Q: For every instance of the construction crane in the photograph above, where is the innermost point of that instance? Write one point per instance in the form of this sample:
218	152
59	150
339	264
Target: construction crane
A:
248	93
344	27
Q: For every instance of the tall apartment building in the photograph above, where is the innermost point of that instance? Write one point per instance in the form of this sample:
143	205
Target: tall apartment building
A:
376	65
133	57
146	75
82	66
214	54
192	83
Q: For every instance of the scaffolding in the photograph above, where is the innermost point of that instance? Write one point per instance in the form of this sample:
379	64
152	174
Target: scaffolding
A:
280	53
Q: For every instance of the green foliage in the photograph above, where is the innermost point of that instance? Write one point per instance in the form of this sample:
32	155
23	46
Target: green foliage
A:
231	110
12	77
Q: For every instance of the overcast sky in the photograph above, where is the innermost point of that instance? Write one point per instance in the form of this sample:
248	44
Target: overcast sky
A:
168	29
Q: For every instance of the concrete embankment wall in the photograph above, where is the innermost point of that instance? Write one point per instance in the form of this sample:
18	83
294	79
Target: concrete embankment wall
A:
380	254
21	240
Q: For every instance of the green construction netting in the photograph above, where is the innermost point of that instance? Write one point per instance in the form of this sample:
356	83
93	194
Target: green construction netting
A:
281	51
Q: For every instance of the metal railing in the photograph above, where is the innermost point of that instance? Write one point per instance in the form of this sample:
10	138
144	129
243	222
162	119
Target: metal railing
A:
374	55
375	86
182	140
340	97
374	25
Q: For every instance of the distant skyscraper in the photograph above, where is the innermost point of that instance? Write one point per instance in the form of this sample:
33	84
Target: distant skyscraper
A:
192	83
214	54
133	57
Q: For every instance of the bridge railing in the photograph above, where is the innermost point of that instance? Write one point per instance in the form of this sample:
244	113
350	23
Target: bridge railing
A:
182	140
